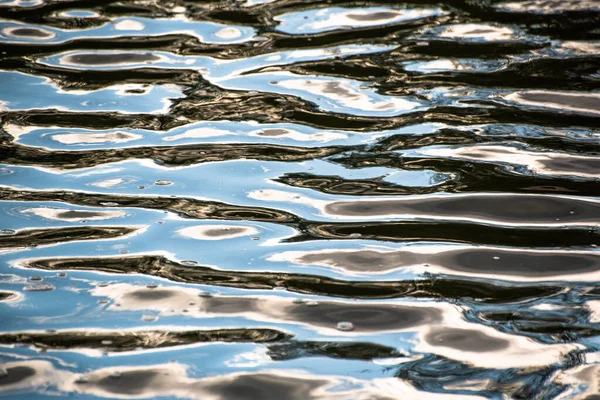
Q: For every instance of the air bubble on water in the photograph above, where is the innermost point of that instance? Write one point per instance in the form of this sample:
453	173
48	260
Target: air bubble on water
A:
107	342
345	326
36	278
312	303
7	231
149	318
189	263
163	182
38	287
152	286
61	274
205	295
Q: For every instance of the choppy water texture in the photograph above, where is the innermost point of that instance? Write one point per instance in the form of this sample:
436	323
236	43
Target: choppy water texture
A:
300	199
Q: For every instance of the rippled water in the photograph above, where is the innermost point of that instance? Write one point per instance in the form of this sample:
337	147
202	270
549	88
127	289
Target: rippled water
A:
262	199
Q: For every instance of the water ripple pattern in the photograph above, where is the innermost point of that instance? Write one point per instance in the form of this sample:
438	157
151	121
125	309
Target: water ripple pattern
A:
284	199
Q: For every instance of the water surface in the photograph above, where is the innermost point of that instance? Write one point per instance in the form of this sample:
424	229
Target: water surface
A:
278	199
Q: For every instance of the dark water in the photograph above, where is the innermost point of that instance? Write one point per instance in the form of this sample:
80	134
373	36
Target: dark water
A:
262	199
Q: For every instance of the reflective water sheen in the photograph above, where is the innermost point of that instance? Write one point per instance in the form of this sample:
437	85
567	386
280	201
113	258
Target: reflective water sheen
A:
284	199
